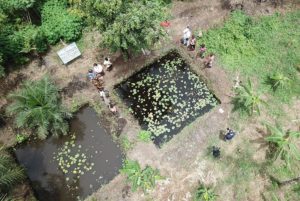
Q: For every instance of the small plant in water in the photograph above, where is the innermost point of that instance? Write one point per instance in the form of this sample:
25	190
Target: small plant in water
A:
204	194
144	136
140	178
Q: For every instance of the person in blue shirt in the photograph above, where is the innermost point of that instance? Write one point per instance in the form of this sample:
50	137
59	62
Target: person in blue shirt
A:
91	74
229	135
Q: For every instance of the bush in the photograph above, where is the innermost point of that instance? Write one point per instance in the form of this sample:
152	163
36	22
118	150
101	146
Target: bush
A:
58	23
30	38
144	136
204	194
138	178
37	106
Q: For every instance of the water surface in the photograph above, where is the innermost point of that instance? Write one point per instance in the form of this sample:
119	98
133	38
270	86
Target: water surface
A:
49	182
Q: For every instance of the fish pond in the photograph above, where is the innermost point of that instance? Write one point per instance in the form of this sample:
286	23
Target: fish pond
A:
72	167
166	96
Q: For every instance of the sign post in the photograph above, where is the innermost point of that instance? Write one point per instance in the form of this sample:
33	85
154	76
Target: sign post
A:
69	53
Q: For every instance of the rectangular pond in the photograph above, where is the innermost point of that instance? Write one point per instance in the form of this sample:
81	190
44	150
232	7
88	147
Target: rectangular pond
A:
166	96
72	167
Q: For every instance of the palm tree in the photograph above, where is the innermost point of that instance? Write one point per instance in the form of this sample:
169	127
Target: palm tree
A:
248	99
284	142
37	106
205	194
10	174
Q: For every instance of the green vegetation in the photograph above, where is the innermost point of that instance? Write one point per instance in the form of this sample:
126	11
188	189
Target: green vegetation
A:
21	138
126	144
10	174
28	26
285	143
248	99
58	23
204	194
37	106
127	26
144	136
258	47
140	178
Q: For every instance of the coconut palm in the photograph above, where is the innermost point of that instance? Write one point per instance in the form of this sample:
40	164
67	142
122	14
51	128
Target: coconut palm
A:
248	99
205	194
10	174
285	143
37	106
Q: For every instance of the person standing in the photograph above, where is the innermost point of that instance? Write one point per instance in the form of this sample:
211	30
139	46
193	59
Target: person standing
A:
209	60
202	51
91	74
98	69
192	43
186	35
107	63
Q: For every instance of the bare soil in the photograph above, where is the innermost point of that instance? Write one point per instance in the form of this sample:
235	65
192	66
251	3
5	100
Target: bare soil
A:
181	161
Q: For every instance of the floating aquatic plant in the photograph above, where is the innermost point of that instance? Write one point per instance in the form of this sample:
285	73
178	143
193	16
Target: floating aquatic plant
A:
166	96
72	160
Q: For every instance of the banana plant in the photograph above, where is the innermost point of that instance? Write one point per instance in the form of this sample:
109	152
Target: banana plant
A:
248	99
285	143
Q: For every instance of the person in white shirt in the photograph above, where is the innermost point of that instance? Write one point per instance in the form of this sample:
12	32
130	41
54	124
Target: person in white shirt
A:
186	35
107	63
98	69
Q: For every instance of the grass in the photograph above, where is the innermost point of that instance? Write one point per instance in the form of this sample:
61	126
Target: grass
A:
258	47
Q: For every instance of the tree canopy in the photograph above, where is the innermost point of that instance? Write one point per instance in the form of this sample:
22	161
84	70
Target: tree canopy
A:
127	25
36	106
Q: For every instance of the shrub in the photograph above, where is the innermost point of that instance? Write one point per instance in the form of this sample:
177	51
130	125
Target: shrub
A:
58	23
30	38
138	178
10	174
126	144
36	106
144	136
204	194
278	80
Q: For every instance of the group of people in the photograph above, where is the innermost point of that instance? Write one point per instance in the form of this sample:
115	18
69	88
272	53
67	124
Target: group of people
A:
227	137
189	40
96	76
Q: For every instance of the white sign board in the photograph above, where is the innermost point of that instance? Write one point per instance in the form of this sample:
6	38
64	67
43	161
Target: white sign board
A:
69	53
